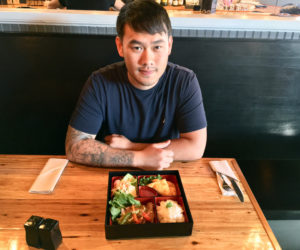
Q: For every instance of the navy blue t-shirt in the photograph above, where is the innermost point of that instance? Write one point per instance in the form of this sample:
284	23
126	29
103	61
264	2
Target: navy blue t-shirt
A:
109	104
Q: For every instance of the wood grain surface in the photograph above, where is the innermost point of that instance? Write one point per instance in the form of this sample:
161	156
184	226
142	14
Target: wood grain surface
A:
79	202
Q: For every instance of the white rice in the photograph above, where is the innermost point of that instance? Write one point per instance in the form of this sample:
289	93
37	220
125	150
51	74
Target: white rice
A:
170	214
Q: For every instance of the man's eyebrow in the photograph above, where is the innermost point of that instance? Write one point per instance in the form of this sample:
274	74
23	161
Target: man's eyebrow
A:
158	41
135	42
140	43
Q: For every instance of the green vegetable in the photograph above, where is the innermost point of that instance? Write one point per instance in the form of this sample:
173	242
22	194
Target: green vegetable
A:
125	219
121	200
169	204
114	211
130	178
146	180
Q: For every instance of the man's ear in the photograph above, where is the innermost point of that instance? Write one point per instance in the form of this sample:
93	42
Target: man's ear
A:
170	44
119	46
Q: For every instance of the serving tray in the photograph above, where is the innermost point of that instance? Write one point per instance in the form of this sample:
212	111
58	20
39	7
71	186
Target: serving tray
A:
156	229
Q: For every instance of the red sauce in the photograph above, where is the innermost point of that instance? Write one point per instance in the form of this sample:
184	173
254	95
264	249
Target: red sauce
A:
145	191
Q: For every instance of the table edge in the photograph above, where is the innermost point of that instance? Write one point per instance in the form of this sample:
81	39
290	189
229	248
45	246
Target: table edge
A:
253	200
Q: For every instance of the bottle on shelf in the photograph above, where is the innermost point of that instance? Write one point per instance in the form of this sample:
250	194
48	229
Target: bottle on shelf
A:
164	2
180	2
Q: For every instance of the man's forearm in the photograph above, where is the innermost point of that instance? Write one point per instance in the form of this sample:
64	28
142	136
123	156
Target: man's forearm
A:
189	146
83	148
96	153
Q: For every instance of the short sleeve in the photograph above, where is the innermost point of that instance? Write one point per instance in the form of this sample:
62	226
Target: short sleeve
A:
88	114
190	111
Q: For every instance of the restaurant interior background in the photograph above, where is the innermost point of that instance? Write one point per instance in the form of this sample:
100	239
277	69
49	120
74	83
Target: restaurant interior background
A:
250	84
281	7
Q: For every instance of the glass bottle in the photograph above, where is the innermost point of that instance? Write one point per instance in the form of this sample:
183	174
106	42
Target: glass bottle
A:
164	2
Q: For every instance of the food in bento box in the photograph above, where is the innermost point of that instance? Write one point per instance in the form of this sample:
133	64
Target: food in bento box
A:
163	187
146	191
126	210
137	214
126	185
169	211
145	180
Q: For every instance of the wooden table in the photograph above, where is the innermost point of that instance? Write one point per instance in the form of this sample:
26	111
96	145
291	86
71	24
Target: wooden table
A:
79	202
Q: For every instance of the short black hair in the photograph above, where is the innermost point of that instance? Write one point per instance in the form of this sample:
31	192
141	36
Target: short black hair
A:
144	16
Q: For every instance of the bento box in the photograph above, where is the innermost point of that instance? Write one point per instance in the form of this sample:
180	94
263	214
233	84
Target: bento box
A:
146	204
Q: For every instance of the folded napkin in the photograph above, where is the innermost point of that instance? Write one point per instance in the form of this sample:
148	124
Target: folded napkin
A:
49	176
223	170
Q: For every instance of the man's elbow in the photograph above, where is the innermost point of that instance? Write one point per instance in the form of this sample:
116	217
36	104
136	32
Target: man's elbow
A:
69	153
194	153
198	154
69	156
195	144
198	149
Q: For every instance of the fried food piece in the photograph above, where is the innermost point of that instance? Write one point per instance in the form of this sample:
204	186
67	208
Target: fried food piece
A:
163	187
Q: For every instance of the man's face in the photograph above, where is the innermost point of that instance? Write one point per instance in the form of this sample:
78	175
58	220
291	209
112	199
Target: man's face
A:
145	56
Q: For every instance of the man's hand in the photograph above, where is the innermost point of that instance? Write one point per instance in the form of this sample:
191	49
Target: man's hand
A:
118	141
155	156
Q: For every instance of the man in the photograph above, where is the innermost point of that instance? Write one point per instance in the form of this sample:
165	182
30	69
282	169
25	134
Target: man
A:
85	4
148	110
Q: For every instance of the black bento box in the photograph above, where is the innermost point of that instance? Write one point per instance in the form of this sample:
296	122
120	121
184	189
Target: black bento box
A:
155	229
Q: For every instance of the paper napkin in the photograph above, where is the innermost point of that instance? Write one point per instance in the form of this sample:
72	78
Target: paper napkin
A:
225	192
222	167
49	176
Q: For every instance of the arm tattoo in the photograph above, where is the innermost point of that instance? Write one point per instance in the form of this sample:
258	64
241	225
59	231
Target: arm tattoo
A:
83	148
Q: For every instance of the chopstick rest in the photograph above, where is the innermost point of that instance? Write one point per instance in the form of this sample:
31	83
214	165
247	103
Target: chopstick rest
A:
49	176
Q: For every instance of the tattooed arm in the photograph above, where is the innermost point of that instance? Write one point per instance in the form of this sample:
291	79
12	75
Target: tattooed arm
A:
83	148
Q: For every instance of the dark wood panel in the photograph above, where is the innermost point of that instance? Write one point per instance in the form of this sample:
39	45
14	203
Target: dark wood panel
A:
41	78
250	90
250	87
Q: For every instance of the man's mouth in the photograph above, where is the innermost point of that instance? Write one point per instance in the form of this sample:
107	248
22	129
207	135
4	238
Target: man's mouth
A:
146	72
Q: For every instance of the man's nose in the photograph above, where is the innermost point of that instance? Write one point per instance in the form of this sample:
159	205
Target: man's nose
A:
146	57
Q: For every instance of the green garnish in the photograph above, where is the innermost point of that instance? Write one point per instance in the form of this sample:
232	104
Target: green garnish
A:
169	204
121	200
130	178
146	180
